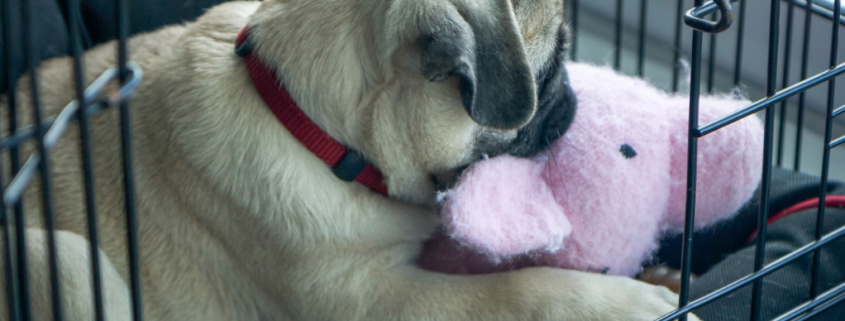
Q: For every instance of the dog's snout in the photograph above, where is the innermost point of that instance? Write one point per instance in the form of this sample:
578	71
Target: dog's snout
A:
556	107
560	116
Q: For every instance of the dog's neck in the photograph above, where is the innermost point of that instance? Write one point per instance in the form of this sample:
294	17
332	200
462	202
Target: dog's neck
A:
329	88
222	160
342	92
347	164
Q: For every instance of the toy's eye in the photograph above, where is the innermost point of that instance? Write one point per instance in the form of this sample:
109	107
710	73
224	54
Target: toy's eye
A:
628	151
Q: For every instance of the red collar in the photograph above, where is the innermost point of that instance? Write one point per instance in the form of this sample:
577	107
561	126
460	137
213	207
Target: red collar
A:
347	164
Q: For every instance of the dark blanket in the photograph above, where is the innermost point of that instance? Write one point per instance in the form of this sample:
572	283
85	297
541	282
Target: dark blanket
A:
723	255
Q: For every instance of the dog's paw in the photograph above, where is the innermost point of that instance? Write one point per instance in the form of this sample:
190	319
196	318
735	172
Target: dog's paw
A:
575	295
642	301
664	276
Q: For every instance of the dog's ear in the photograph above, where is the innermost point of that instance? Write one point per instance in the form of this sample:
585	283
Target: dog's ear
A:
479	42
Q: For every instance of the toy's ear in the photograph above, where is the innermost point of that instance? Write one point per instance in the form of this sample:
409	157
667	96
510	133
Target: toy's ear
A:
480	43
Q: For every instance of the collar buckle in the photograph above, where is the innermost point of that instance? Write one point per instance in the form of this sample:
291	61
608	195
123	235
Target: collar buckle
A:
350	166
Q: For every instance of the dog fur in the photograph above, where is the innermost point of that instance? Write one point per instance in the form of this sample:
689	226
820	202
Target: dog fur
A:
238	221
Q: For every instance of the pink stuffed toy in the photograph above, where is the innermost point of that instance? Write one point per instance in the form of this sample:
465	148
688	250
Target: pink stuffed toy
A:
606	192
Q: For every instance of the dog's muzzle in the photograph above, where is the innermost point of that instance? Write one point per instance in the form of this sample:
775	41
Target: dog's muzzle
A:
556	107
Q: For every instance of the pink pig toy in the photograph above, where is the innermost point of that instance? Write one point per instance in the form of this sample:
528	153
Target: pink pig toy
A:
606	192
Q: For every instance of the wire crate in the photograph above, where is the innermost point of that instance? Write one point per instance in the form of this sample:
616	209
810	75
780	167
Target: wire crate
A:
717	45
714	24
20	18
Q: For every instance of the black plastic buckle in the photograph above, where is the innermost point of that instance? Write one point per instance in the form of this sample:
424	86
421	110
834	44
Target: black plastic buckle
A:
350	166
245	48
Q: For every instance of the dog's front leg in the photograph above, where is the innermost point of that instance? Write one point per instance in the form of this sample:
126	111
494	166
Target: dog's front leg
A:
75	278
371	290
410	293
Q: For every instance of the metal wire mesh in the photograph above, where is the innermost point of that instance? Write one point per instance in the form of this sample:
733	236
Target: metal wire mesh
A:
819	301
19	15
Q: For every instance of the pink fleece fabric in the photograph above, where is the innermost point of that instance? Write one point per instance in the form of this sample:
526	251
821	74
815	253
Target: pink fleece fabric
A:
603	195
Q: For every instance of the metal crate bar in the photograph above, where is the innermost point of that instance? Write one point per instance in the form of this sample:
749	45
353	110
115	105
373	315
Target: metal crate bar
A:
819	10
692	164
821	307
740	36
768	269
676	70
11	291
837	142
830	296
617	55
694	17
711	61
85	147
641	46
805	54
771	100
825	175
575	28
32	62
839	111
14	296
122	14
725	15
10	20
787	59
765	183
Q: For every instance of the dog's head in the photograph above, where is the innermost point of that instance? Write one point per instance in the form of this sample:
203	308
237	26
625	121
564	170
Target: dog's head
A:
425	87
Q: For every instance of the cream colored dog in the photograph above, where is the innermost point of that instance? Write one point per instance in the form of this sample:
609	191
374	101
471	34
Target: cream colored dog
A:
239	221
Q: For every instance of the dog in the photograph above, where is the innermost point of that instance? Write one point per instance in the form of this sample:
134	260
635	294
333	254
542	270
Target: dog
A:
238	220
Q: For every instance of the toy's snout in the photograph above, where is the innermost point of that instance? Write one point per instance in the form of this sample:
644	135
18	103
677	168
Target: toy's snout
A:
506	208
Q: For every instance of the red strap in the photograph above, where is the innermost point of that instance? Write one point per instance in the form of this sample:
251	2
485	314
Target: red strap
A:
830	201
372	178
298	123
